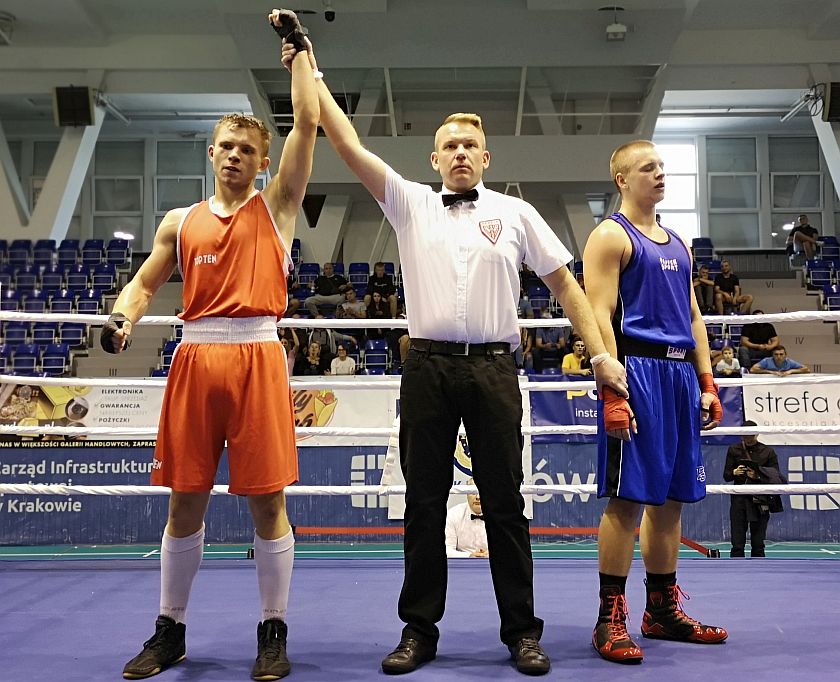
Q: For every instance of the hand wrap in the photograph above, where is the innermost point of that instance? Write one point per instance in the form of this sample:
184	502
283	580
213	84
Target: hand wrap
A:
115	322
617	412
708	385
290	29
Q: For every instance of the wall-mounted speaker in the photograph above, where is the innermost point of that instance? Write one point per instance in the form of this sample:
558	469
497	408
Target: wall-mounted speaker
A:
73	106
831	103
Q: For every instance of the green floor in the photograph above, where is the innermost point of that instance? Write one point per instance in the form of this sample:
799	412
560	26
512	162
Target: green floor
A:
585	549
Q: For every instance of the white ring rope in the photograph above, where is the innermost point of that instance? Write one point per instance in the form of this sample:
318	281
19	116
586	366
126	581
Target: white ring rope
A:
335	490
387	431
303	323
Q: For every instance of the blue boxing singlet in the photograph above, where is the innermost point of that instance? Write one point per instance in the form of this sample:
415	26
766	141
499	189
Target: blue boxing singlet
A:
654	290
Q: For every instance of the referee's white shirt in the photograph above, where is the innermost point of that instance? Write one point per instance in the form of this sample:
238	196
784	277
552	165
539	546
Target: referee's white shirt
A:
460	265
464	535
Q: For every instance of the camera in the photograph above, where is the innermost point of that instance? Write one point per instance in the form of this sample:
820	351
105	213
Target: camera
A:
329	14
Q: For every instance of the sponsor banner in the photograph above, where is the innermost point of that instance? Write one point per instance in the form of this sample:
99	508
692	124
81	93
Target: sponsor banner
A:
580	407
80	519
784	405
80	406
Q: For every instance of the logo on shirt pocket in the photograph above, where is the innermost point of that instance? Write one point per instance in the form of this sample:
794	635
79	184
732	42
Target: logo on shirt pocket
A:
491	229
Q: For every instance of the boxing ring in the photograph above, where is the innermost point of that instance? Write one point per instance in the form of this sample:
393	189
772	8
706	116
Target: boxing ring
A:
82	619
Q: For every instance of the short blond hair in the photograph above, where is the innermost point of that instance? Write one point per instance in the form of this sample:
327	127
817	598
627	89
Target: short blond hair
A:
245	121
620	159
470	119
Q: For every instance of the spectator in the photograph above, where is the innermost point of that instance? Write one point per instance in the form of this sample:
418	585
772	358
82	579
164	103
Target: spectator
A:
577	362
382	282
728	291
704	290
314	363
549	341
398	339
758	340
728	365
750	462
779	364
802	238
377	310
523	356
343	364
527	277
329	339
352	307
329	288
465	533
291	344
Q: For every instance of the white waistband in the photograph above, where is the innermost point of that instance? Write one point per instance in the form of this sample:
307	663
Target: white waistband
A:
230	330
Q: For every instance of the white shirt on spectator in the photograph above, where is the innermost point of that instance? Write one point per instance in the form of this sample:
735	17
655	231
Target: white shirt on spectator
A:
460	265
346	366
464	535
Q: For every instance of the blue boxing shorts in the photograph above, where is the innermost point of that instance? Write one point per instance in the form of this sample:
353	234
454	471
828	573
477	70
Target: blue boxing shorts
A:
663	460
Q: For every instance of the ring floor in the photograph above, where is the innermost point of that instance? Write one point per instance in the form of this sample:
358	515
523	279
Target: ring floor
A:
82	620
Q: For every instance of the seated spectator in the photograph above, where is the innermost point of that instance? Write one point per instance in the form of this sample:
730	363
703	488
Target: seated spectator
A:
342	364
757	342
313	363
352	307
704	290
728	291
728	365
549	341
465	535
779	364
329	288
377	310
328	339
577	362
715	347
523	356
383	283
527	277
802	239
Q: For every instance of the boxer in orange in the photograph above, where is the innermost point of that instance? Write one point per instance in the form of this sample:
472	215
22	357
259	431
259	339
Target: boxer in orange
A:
229	379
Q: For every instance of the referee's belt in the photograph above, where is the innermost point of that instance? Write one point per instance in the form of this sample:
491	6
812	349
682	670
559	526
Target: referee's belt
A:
644	349
459	348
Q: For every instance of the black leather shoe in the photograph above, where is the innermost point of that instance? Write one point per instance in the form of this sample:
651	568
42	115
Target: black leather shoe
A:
409	655
530	657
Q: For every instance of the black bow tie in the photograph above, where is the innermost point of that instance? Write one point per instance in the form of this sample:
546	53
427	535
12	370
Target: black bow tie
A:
449	199
474	517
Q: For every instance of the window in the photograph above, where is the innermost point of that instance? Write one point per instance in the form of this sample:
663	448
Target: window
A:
678	210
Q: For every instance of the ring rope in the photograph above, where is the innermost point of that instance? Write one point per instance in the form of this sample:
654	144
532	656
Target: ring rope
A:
387	431
170	320
336	490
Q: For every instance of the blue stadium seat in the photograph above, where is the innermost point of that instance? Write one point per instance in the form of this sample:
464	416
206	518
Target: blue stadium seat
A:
73	334
702	248
118	252
338	268
539	297
26	277
358	273
308	273
712	264
44	333
376	354
63	301
89	302
167	353
77	276
552	370
9	300
15	332
68	252
104	276
819	272
829	247
5	358
26	357
7	273
4	249
389	268
52	278
93	251
295	254
831	296
35	301
44	252
160	372
55	360
372	371
20	252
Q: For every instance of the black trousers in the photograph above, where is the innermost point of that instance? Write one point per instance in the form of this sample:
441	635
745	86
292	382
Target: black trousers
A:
743	513
437	393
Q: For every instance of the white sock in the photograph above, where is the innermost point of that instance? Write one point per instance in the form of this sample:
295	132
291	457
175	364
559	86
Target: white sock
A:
274	573
179	562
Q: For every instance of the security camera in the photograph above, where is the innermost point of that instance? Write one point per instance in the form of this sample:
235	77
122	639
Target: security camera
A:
329	14
616	31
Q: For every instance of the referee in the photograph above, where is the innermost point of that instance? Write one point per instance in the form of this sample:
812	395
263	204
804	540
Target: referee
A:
460	252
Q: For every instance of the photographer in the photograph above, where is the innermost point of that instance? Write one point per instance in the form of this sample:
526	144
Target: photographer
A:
750	463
